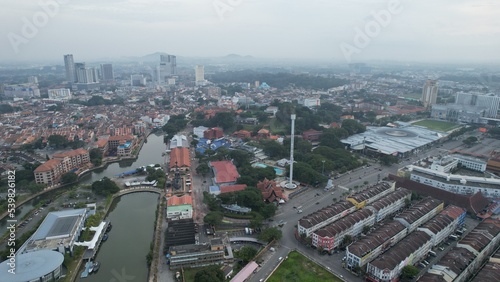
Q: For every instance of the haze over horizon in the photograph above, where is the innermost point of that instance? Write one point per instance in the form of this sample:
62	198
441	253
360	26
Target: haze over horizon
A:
459	31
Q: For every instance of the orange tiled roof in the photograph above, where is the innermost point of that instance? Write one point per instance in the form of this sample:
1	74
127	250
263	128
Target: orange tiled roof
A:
176	201
71	153
48	165
101	143
120	137
179	156
225	171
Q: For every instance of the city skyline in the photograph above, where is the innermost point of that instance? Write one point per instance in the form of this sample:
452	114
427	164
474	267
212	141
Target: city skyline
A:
345	31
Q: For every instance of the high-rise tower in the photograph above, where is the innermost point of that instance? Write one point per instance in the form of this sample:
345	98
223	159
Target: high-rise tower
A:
69	65
199	72
429	93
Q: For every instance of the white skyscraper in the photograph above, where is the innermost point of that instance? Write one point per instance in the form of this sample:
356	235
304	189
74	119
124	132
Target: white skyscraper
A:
199	71
69	65
429	93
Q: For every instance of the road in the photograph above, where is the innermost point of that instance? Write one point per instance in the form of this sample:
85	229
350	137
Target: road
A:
311	201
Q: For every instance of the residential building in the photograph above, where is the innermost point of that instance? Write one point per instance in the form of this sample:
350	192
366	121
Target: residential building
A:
123	144
242	134
411	249
51	171
107	73
429	93
490	271
468	255
444	224
371	194
323	217
225	173
419	213
390	203
376	242
59	94
332	236
199	75
179	207
311	102
69	65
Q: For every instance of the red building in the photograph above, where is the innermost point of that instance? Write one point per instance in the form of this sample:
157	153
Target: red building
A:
213	133
311	135
270	191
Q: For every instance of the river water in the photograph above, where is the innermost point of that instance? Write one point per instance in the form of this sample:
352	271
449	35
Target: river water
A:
151	153
123	255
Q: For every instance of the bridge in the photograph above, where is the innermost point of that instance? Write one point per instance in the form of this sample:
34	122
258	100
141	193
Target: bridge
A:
247	240
138	189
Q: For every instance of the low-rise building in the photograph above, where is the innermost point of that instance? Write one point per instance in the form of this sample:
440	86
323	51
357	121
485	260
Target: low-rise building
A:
194	256
468	255
444	224
320	218
213	133
490	271
271	192
371	194
332	236
378	241
390	204
225	173
388	266
419	213
51	171
312	135
179	159
179	207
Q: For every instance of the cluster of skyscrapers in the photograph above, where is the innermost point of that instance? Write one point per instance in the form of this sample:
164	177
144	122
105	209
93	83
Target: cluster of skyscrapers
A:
86	77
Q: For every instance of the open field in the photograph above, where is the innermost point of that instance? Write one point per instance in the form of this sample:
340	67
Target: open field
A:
300	269
437	125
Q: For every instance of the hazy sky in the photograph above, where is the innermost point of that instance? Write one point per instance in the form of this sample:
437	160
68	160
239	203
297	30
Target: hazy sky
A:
423	30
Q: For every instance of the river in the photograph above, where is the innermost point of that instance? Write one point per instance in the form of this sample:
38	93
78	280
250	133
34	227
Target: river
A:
151	153
123	255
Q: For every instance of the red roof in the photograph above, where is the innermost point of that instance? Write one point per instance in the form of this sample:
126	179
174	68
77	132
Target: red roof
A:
270	191
232	188
225	171
179	157
121	137
71	153
48	165
176	201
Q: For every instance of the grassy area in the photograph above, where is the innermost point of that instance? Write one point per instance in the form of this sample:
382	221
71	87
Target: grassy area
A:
299	268
437	125
189	273
276	126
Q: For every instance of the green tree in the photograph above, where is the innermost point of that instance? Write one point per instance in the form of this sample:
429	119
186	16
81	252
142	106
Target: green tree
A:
69	177
210	274
470	140
246	254
388	160
347	240
203	169
105	187
270	234
353	127
58	141
366	229
213	218
95	155
409	272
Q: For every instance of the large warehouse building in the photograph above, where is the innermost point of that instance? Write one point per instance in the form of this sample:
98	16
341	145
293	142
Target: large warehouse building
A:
38	266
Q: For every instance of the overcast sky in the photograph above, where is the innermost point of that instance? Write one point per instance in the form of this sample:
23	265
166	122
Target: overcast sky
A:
424	30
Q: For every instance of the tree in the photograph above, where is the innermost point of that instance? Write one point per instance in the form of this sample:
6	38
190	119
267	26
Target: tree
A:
270	234
388	160
210	274
409	272
105	187
353	127
69	177
470	140
366	229
213	218
57	141
246	253
95	155
256	222
347	240
203	169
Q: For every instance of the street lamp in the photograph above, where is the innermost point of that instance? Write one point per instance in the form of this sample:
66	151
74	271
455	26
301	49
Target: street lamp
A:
323	172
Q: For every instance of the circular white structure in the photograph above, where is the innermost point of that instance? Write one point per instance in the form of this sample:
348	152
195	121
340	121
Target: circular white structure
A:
41	265
288	185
